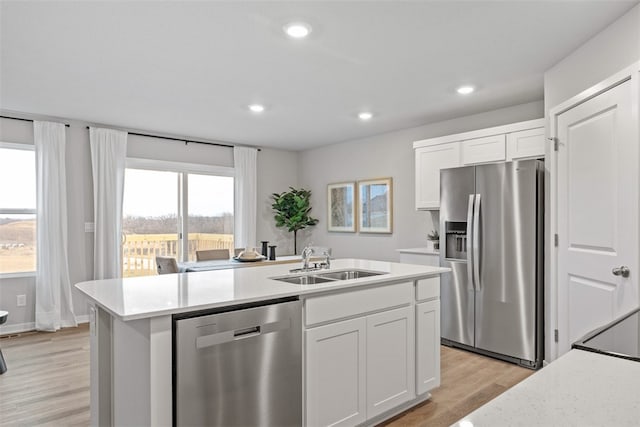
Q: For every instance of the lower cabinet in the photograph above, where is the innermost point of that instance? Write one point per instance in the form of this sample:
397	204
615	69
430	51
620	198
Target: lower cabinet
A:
336	369
360	368
427	346
390	360
378	352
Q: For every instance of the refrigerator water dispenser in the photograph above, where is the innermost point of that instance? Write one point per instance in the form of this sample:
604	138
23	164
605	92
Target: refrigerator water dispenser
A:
455	240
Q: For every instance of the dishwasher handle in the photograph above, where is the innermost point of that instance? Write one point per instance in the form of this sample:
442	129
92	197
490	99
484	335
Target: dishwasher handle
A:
240	334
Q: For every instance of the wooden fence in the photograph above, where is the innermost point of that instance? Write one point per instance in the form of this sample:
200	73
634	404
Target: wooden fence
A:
139	251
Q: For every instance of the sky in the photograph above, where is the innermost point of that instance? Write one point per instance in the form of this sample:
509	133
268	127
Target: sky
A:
147	193
17	179
155	193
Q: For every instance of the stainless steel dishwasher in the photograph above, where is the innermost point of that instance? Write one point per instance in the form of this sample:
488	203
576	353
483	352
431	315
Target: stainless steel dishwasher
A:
240	366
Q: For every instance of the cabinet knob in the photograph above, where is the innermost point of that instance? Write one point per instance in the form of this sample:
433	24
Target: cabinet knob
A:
621	271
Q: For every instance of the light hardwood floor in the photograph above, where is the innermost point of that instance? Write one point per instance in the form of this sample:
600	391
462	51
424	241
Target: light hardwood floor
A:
48	382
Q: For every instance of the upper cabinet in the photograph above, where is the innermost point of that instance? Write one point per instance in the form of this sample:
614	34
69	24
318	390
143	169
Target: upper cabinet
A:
483	150
429	161
498	144
525	144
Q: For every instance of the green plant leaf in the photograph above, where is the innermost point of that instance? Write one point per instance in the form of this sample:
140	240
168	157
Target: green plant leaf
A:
291	209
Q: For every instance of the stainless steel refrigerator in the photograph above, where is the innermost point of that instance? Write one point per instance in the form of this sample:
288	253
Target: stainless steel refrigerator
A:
491	236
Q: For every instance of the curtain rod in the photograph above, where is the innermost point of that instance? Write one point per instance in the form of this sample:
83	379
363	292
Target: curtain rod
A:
186	141
24	120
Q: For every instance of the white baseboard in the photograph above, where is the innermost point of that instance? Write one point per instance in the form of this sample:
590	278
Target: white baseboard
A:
18	328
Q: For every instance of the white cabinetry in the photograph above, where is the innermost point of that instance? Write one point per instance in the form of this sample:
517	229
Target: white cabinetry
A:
497	144
390	360
359	368
429	161
336	373
428	334
483	150
525	144
427	346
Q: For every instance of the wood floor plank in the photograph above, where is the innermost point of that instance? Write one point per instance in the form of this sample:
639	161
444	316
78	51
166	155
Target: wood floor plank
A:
48	383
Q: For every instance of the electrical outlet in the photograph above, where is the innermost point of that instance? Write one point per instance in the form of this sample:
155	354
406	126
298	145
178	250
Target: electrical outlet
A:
21	300
89	227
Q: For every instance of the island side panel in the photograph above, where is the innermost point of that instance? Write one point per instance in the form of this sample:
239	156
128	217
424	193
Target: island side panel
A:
100	362
142	372
161	371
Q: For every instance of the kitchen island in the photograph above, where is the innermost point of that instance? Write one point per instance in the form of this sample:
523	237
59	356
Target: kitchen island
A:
132	344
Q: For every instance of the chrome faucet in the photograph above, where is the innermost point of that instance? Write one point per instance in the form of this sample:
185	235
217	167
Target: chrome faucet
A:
306	255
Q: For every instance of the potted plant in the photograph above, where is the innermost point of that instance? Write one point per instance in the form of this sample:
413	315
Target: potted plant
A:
434	238
291	210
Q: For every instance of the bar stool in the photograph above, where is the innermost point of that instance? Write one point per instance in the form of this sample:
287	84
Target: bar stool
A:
3	365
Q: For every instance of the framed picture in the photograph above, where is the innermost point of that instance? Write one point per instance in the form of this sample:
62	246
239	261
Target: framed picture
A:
375	205
341	212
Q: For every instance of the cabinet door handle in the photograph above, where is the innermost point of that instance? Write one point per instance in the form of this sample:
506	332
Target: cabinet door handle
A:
621	271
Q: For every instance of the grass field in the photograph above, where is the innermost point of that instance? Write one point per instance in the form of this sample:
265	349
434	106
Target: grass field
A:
13	257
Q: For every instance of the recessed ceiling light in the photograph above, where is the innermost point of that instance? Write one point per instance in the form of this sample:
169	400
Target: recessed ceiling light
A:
297	30
256	108
465	90
365	115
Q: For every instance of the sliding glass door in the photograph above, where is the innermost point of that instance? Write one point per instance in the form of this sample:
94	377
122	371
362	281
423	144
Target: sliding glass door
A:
174	213
150	220
209	213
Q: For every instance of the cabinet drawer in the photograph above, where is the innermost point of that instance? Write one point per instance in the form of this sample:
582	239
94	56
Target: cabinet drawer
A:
428	288
336	306
482	150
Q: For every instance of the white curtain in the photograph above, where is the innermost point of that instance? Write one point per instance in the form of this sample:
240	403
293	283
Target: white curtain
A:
245	165
108	155
54	307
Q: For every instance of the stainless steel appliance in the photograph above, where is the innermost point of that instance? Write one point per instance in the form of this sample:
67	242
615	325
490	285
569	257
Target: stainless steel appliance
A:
491	236
239	367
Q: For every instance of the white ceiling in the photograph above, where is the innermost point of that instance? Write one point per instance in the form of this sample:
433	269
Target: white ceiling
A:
191	68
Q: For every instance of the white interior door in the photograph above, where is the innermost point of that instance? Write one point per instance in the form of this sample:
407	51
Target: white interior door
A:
597	212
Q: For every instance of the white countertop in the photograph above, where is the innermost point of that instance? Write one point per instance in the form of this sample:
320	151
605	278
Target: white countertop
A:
144	297
579	389
419	251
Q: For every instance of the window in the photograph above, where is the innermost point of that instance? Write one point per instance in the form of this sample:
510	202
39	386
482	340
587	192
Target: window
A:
165	201
17	208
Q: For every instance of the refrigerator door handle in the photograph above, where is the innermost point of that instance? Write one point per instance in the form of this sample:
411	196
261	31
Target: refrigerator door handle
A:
476	242
469	247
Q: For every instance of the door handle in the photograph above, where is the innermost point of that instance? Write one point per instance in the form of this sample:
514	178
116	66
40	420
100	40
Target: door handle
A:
621	271
238	334
476	242
469	248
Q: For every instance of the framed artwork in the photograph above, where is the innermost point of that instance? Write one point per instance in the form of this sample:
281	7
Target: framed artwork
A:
375	205
341	213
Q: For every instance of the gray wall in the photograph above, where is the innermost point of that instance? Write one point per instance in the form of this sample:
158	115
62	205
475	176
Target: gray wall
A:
277	170
608	52
387	155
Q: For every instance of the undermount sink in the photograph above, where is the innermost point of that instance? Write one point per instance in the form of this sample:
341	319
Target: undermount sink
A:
349	274
303	280
331	276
